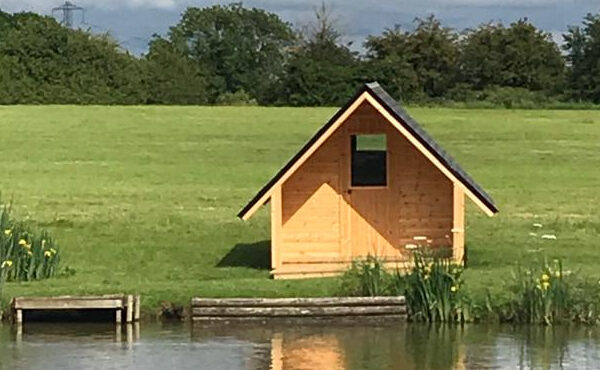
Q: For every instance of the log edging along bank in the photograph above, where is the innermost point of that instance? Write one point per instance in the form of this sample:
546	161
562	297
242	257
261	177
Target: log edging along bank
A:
209	309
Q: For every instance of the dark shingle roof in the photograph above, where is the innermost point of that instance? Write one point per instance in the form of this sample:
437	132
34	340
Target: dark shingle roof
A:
392	106
409	123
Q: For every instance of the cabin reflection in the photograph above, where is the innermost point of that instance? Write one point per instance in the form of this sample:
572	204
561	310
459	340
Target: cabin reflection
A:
333	346
292	352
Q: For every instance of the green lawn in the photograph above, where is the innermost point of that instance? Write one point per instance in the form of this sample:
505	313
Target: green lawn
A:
144	199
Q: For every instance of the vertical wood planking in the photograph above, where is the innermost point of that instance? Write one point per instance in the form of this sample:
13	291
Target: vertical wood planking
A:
458	227
324	215
276	210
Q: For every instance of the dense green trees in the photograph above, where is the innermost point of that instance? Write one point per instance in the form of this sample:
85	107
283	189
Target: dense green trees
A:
232	54
583	47
42	62
515	56
321	70
418	64
236	47
172	78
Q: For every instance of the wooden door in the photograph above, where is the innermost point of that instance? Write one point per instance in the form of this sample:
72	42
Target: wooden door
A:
369	224
368	212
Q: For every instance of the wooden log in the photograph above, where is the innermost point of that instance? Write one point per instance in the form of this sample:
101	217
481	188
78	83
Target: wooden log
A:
319	320
283	302
299	311
118	316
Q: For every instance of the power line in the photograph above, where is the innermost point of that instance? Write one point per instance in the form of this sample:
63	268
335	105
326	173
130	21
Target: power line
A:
68	9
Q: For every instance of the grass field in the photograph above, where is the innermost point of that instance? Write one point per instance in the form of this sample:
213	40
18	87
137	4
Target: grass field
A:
143	199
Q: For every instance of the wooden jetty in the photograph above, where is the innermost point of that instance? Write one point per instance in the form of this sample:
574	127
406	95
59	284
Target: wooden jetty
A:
125	306
207	309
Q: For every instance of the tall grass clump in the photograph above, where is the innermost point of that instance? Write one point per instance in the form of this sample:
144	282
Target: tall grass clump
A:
548	294
367	278
434	290
25	253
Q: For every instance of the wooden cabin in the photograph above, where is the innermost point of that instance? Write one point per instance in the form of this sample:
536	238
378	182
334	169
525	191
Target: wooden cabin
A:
371	181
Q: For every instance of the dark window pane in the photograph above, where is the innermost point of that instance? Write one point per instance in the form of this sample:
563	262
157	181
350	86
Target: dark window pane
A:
369	157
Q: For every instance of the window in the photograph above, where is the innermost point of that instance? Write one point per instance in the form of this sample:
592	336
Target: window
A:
369	157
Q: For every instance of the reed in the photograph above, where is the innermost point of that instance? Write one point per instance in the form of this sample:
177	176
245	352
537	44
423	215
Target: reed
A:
548	294
434	290
25	253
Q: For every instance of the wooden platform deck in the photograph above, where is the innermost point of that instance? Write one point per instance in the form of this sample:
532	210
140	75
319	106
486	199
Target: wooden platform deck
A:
207	309
126	307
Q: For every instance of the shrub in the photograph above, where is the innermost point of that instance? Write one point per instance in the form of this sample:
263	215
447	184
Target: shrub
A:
434	290
25	253
238	98
514	97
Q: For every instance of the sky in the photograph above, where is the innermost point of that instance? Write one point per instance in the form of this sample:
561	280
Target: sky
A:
134	22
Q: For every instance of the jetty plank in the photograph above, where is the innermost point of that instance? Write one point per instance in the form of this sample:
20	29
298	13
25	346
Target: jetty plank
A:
126	307
66	304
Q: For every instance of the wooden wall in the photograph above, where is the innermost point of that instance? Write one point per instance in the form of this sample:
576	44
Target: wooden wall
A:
325	222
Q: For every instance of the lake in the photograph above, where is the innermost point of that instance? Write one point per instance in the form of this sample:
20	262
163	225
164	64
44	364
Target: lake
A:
328	345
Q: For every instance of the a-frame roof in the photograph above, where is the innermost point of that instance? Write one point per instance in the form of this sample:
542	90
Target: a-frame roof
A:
390	109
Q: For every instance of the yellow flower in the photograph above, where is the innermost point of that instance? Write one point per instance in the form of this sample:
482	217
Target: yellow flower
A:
454	288
545	277
43	243
48	254
7	232
557	274
29	253
52	250
545	285
6	263
22	242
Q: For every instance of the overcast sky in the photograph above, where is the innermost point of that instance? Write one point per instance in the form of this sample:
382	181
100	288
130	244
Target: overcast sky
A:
133	22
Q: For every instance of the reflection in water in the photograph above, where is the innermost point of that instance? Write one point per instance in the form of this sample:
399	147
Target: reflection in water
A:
324	345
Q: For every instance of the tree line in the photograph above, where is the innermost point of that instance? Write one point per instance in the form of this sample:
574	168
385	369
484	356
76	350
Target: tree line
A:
230	54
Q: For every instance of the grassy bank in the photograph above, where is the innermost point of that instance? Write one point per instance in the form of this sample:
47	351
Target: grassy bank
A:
143	199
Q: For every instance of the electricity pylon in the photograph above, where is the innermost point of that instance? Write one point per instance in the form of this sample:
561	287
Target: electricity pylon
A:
68	9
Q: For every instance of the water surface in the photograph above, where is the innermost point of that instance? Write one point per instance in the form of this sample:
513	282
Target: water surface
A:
327	345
